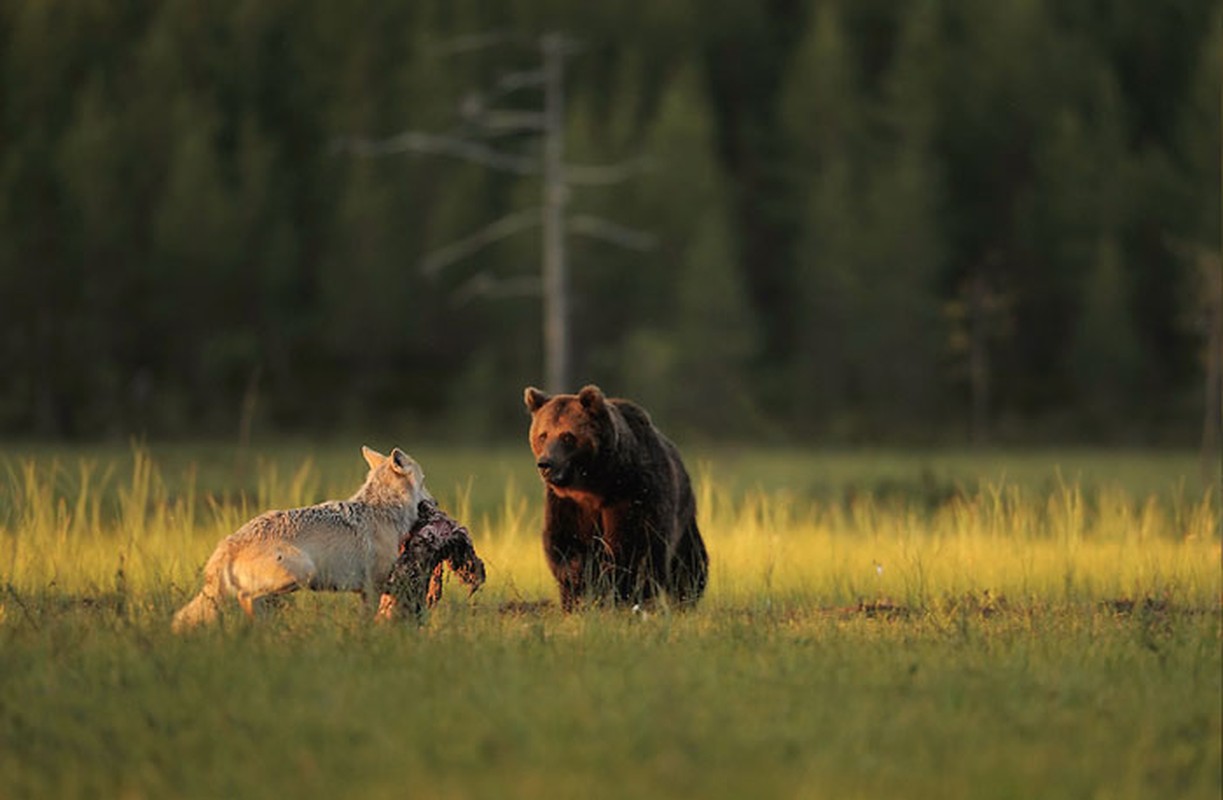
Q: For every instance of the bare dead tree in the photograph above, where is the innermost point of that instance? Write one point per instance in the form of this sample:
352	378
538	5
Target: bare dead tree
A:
557	176
1209	321
979	297
556	195
979	316
1203	315
1210	275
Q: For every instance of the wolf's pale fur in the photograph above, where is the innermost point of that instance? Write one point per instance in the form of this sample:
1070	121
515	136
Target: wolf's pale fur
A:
340	545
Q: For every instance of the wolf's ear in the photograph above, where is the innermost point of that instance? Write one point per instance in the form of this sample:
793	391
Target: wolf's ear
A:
372	457
534	399
400	461
406	466
592	399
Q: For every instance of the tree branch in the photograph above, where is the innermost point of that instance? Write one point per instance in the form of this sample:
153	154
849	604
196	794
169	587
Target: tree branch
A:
599	228
585	175
506	121
417	142
485	285
513	81
508	225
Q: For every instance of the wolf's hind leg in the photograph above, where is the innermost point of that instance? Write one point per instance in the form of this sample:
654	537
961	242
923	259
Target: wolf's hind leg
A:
271	569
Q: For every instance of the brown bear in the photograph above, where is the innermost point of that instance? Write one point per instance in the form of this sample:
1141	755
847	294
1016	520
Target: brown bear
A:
620	518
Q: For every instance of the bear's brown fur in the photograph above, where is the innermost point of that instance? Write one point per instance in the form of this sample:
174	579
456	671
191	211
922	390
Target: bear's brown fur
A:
620	518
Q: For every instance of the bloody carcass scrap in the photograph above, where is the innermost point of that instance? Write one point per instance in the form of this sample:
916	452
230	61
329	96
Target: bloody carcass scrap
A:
415	582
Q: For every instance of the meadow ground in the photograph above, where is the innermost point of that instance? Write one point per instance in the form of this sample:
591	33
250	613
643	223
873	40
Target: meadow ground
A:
878	624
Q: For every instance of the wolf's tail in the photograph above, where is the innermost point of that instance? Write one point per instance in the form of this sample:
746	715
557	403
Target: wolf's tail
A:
201	610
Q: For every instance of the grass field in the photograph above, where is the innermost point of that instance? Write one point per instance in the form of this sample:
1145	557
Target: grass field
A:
878	624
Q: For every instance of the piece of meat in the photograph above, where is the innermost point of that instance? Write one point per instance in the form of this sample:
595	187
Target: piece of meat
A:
416	580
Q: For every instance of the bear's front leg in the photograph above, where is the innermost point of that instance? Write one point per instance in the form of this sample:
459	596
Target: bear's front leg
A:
636	543
571	538
570	580
566	562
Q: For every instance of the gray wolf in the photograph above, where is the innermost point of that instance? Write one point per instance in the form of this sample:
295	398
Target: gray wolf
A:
340	545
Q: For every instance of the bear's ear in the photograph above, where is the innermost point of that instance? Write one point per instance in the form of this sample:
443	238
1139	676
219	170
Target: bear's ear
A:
592	398
372	457
534	399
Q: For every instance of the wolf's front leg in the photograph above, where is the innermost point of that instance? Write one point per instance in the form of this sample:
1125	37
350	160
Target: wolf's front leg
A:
371	592
247	602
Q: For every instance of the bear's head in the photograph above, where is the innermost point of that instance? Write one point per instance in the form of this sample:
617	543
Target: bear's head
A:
569	434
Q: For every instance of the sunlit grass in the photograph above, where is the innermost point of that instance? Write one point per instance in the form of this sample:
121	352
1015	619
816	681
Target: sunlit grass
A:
86	528
911	631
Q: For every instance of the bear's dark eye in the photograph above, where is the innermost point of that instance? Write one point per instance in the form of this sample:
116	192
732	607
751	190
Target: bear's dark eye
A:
568	439
542	436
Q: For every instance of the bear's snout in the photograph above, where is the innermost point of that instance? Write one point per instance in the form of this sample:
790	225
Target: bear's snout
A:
554	473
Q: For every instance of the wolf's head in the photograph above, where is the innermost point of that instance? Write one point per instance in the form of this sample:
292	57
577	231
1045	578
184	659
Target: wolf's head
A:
394	480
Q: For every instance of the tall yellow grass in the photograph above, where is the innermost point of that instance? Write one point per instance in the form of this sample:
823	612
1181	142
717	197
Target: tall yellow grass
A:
80	528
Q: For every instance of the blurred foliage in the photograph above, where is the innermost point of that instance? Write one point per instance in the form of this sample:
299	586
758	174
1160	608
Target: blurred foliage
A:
181	246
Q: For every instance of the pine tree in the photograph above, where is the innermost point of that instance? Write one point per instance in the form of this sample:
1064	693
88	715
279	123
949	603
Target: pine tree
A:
1105	354
700	345
901	248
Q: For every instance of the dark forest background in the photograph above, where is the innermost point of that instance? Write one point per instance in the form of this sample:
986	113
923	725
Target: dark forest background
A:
875	221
